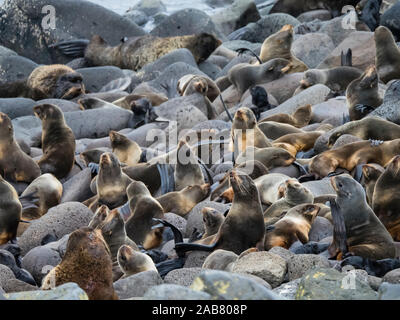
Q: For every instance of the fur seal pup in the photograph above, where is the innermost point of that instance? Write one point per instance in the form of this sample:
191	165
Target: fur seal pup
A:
337	79
181	202
367	128
46	82
296	142
136	52
294	226
111	183
260	101
132	261
362	94
300	117
10	212
58	141
191	83
270	157
126	150
15	165
353	154
86	262
187	168
363	235
212	221
274	130
294	193
142	209
245	126
243	227
278	45
385	201
387	59
92	155
244	76
371	173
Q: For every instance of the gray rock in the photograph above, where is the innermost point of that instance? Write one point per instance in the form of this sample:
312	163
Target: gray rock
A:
309	16
137	16
312	95
159	17
336	108
223	285
237	44
16	107
388	291
390	19
195	259
312	48
374	282
67	291
78	187
330	284
137	285
237	15
218	125
392	276
39	261
186	116
21	22
300	264
390	107
345	139
263	28
176	220
15	285
320	187
209	69
174	292
183	277
268	266
14	68
97	77
150	7
288	290
334	29
220	260
320	229
5	275
186	22
282	252
64	105
195	217
60	220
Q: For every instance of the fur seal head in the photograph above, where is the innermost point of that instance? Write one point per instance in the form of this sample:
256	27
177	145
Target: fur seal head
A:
132	262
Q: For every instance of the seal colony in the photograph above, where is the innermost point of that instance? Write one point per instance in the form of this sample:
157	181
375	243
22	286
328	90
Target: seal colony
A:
129	158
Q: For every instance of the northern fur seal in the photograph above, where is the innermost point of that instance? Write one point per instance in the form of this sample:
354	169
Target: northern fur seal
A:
367	128
191	83
10	212
181	202
385	201
245	126
363	235
300	117
270	157
46	82
273	130
278	45
58	141
126	150
136	52
294	226
387	57
86	262
371	173
212	221
362	94
243	227
143	208
296	142
353	154
132	261
15	165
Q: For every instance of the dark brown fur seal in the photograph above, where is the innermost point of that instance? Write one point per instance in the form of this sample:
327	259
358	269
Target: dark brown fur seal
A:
45	82
147	173
371	173
353	154
181	202
278	45
10	212
363	91
385	201
132	261
243	227
143	208
300	118
294	226
15	165
126	150
387	57
86	262
138	51
364	234
58	141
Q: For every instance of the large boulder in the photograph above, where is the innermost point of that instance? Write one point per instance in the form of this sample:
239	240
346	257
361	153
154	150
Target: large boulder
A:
59	220
5	274
137	285
390	108
391	19
183	277
388	291
95	78
174	292
17	107
14	67
150	7
22	29
300	264
392	276
78	187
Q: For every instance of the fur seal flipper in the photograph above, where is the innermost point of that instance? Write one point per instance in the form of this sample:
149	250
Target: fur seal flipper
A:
339	230
73	48
240	51
346	58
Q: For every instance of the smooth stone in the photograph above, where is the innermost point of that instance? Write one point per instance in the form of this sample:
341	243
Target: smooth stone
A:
288	290
137	284
309	16
300	264
183	277
174	292
345	139
5	275
392	276
64	105
17	107
78	187
138	17
320	229
150	7
15	68
390	18
388	291
282	252
210	69
389	109
15	285
195	259
335	107
97	77
220	260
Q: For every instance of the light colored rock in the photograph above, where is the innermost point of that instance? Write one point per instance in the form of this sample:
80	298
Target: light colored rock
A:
137	285
300	264
183	277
